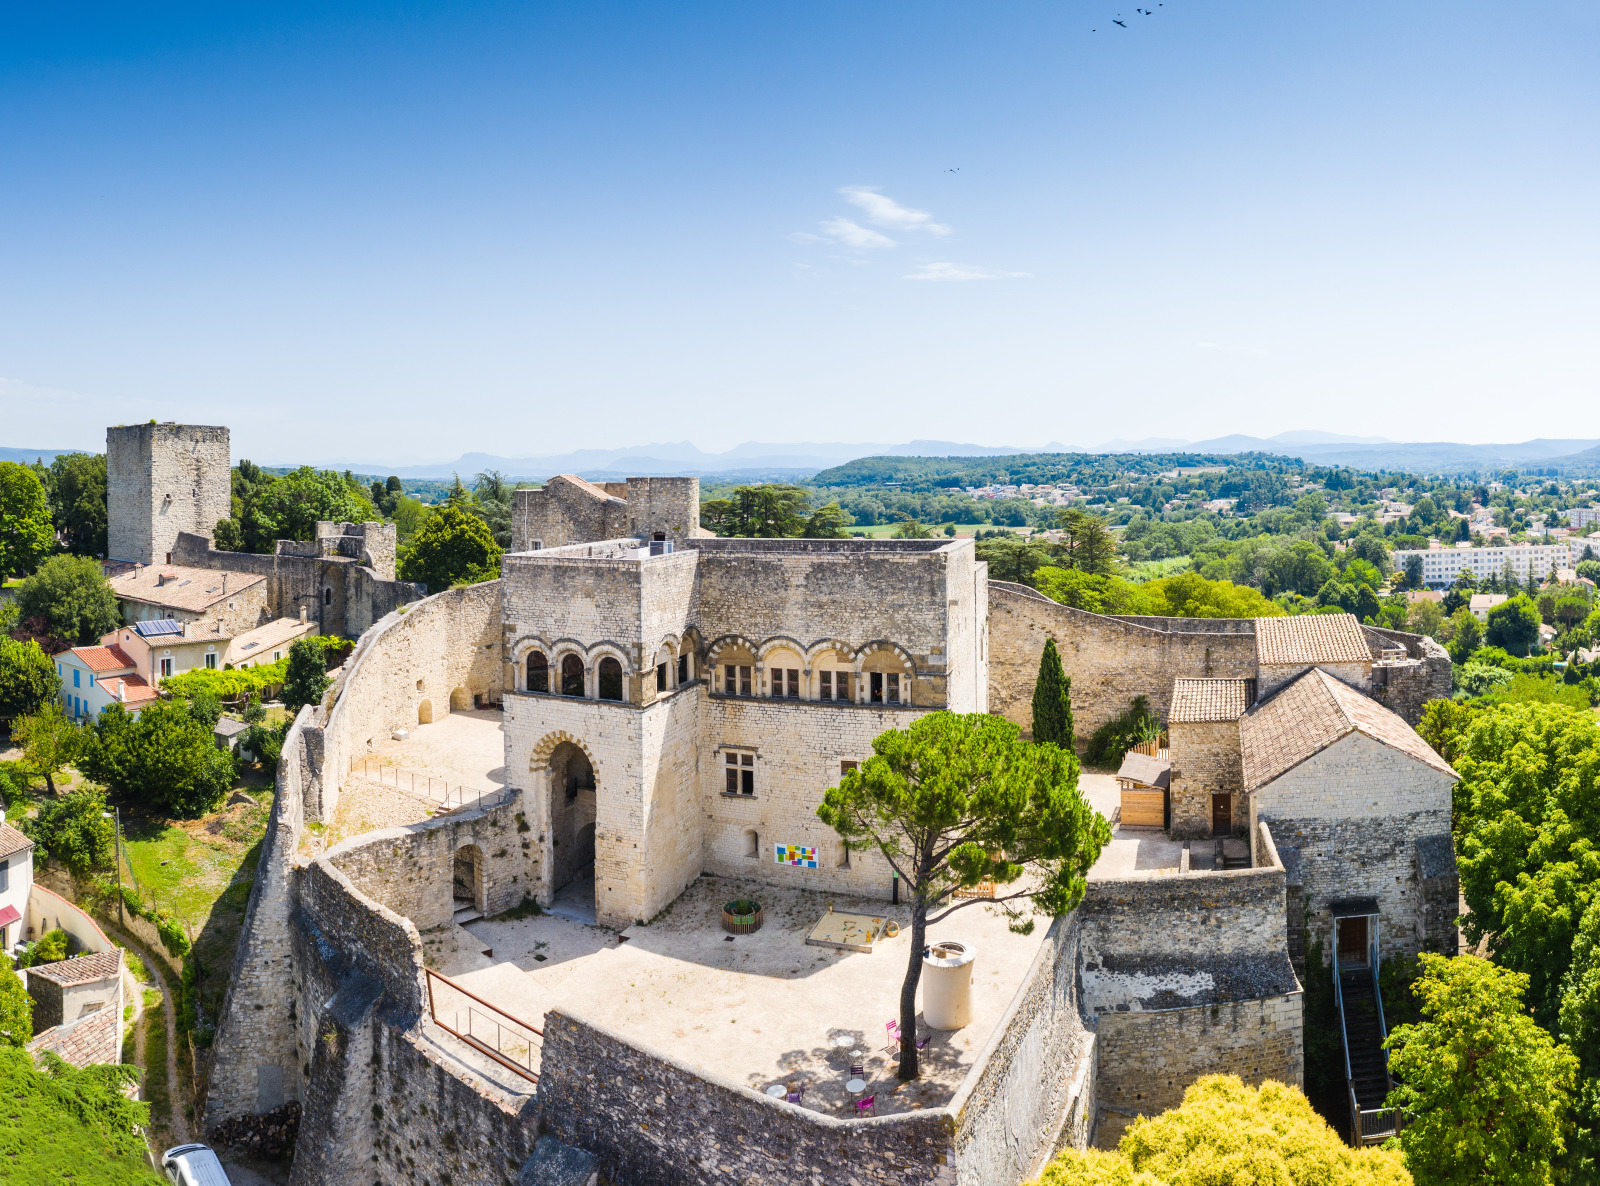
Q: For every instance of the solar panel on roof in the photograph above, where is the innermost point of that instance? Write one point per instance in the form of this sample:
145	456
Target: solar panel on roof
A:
158	627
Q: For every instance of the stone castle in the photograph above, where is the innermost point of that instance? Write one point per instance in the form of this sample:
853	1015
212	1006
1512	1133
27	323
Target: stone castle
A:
672	708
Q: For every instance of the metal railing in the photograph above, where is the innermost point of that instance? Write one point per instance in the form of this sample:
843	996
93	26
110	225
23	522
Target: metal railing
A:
511	1042
419	783
1367	1125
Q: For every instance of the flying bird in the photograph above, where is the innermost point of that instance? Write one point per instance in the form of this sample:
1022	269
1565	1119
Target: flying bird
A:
1119	23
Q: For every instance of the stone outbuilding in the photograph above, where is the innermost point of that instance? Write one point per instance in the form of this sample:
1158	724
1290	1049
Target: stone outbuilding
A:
1363	804
1204	739
1287	647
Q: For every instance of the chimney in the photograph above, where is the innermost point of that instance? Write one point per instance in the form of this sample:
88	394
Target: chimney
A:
224	584
302	613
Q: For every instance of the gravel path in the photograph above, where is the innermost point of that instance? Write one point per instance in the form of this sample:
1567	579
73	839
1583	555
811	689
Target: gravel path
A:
179	1119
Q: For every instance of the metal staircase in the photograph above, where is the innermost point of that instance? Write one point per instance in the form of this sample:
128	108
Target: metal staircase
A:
1366	1062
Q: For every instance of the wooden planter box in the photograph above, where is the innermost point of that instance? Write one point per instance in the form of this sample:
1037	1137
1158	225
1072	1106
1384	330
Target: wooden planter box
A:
742	916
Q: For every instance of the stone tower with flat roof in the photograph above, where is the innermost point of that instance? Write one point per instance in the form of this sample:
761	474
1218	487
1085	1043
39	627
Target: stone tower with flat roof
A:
162	479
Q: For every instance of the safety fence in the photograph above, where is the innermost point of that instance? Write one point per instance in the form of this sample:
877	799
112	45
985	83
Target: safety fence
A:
511	1042
420	783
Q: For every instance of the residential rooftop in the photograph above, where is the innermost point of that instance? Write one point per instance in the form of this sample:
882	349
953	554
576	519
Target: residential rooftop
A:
174	587
1311	638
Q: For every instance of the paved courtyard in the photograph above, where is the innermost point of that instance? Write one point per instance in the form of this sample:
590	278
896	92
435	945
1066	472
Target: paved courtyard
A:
761	1010
1132	850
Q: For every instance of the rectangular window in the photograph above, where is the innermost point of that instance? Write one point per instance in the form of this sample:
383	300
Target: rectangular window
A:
786	682
683	669
894	687
730	680
91	679
5	876
739	774
825	691
846	767
75	678
211	660
661	679
875	686
166	668
276	655
744	681
794	683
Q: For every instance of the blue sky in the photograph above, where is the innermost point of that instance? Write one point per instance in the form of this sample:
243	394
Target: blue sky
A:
398	233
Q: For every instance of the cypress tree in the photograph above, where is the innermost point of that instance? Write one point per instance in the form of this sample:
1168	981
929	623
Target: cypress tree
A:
1052	704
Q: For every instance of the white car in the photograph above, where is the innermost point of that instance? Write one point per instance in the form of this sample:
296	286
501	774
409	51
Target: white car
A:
193	1165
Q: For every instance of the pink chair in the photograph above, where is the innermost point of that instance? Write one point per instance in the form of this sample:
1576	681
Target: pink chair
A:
864	1105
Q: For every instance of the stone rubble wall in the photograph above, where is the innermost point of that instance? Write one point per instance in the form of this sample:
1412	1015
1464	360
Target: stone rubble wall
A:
1109	660
1277	675
667	505
561	513
1404	687
162	479
1205	761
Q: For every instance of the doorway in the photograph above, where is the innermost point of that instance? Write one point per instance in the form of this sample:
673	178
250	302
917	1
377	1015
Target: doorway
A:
466	882
1351	940
1222	815
573	809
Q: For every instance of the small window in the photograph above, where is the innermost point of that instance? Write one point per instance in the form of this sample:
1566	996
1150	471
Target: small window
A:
538	672
752	845
844	854
5	876
166	668
76	678
894	687
276	655
211	660
572	676
846	767
661	679
610	679
737	680
825	686
739	774
327	595
786	682
683	669
875	688
91	679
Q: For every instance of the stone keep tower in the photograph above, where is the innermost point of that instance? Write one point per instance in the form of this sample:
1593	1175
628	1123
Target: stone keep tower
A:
162	479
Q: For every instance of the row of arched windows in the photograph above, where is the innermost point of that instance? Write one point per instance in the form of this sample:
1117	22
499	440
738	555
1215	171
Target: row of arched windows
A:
608	676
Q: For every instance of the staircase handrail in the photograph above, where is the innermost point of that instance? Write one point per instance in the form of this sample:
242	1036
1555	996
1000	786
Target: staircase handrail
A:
1344	1044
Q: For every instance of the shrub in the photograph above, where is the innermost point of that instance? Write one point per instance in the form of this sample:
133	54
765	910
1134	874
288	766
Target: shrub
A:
72	594
73	832
1110	743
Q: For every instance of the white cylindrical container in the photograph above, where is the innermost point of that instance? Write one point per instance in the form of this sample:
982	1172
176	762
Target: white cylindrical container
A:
947	984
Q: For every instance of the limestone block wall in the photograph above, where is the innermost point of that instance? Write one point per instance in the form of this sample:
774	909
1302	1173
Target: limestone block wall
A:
1405	686
409	869
1275	675
1109	660
255	1066
162	479
667	505
1355	813
1440	893
1148	1059
564	512
1205	761
798	749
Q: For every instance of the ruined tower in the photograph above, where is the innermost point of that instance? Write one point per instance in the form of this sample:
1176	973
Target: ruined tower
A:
162	479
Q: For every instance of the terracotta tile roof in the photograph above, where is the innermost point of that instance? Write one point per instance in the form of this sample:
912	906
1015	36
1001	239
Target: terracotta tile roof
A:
84	1041
192	589
1210	699
129	689
1311	714
12	841
1311	638
86	969
589	487
252	643
103	658
1145	770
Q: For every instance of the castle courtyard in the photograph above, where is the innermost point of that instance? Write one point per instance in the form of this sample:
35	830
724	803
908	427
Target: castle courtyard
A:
761	1010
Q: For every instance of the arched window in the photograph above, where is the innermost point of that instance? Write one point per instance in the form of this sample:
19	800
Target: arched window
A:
327	595
610	679
752	845
572	676
538	672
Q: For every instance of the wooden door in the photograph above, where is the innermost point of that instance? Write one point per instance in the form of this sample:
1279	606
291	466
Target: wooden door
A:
1221	815
1352	939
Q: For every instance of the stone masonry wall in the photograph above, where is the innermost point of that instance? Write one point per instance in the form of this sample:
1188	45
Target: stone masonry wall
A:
1355	812
670	506
1205	761
1109	660
162	479
1276	675
561	513
1148	1059
1404	687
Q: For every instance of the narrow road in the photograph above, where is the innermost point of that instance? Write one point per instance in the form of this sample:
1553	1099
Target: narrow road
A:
178	1120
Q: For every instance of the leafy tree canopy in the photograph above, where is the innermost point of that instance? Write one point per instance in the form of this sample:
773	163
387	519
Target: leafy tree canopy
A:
16	1007
72	594
307	677
78	501
27	678
27	533
1227	1133
1052	704
73	832
959	798
65	1116
163	757
1485	1090
289	507
1189	595
1089	591
49	741
453	545
1513	625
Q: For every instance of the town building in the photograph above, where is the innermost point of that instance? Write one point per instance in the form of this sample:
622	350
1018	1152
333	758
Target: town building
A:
16	880
94	678
1441	566
204	600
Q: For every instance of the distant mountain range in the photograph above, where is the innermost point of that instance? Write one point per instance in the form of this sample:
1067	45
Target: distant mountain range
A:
766	461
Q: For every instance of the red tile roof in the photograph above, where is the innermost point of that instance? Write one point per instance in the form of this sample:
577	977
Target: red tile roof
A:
1210	699
129	689
1311	714
86	969
1311	638
84	1041
12	841
97	659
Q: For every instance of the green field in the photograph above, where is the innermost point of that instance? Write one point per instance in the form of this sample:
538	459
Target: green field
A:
887	530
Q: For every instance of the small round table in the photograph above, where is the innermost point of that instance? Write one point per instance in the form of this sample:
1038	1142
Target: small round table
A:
844	1040
856	1086
777	1091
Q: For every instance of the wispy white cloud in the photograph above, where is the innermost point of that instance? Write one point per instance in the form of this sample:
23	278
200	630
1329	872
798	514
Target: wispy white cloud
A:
950	271
851	234
885	211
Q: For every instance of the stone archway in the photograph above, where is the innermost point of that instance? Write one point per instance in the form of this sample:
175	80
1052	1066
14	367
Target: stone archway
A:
570	810
467	886
460	700
425	713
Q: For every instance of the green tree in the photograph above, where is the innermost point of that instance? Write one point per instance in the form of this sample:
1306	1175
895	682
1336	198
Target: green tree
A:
1012	558
291	507
49	741
28	678
492	499
1526	815
1580	1030
1190	595
80	1120
72	595
1373	550
1413	577
1513	625
16	1007
1052	700
771	511
1300	568
73	831
307	680
78	501
1225	1133
227	536
1090	591
26	531
1086	542
453	545
909	528
1426	617
828	522
1484	1089
163	757
1467	636
956	799
1569	610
